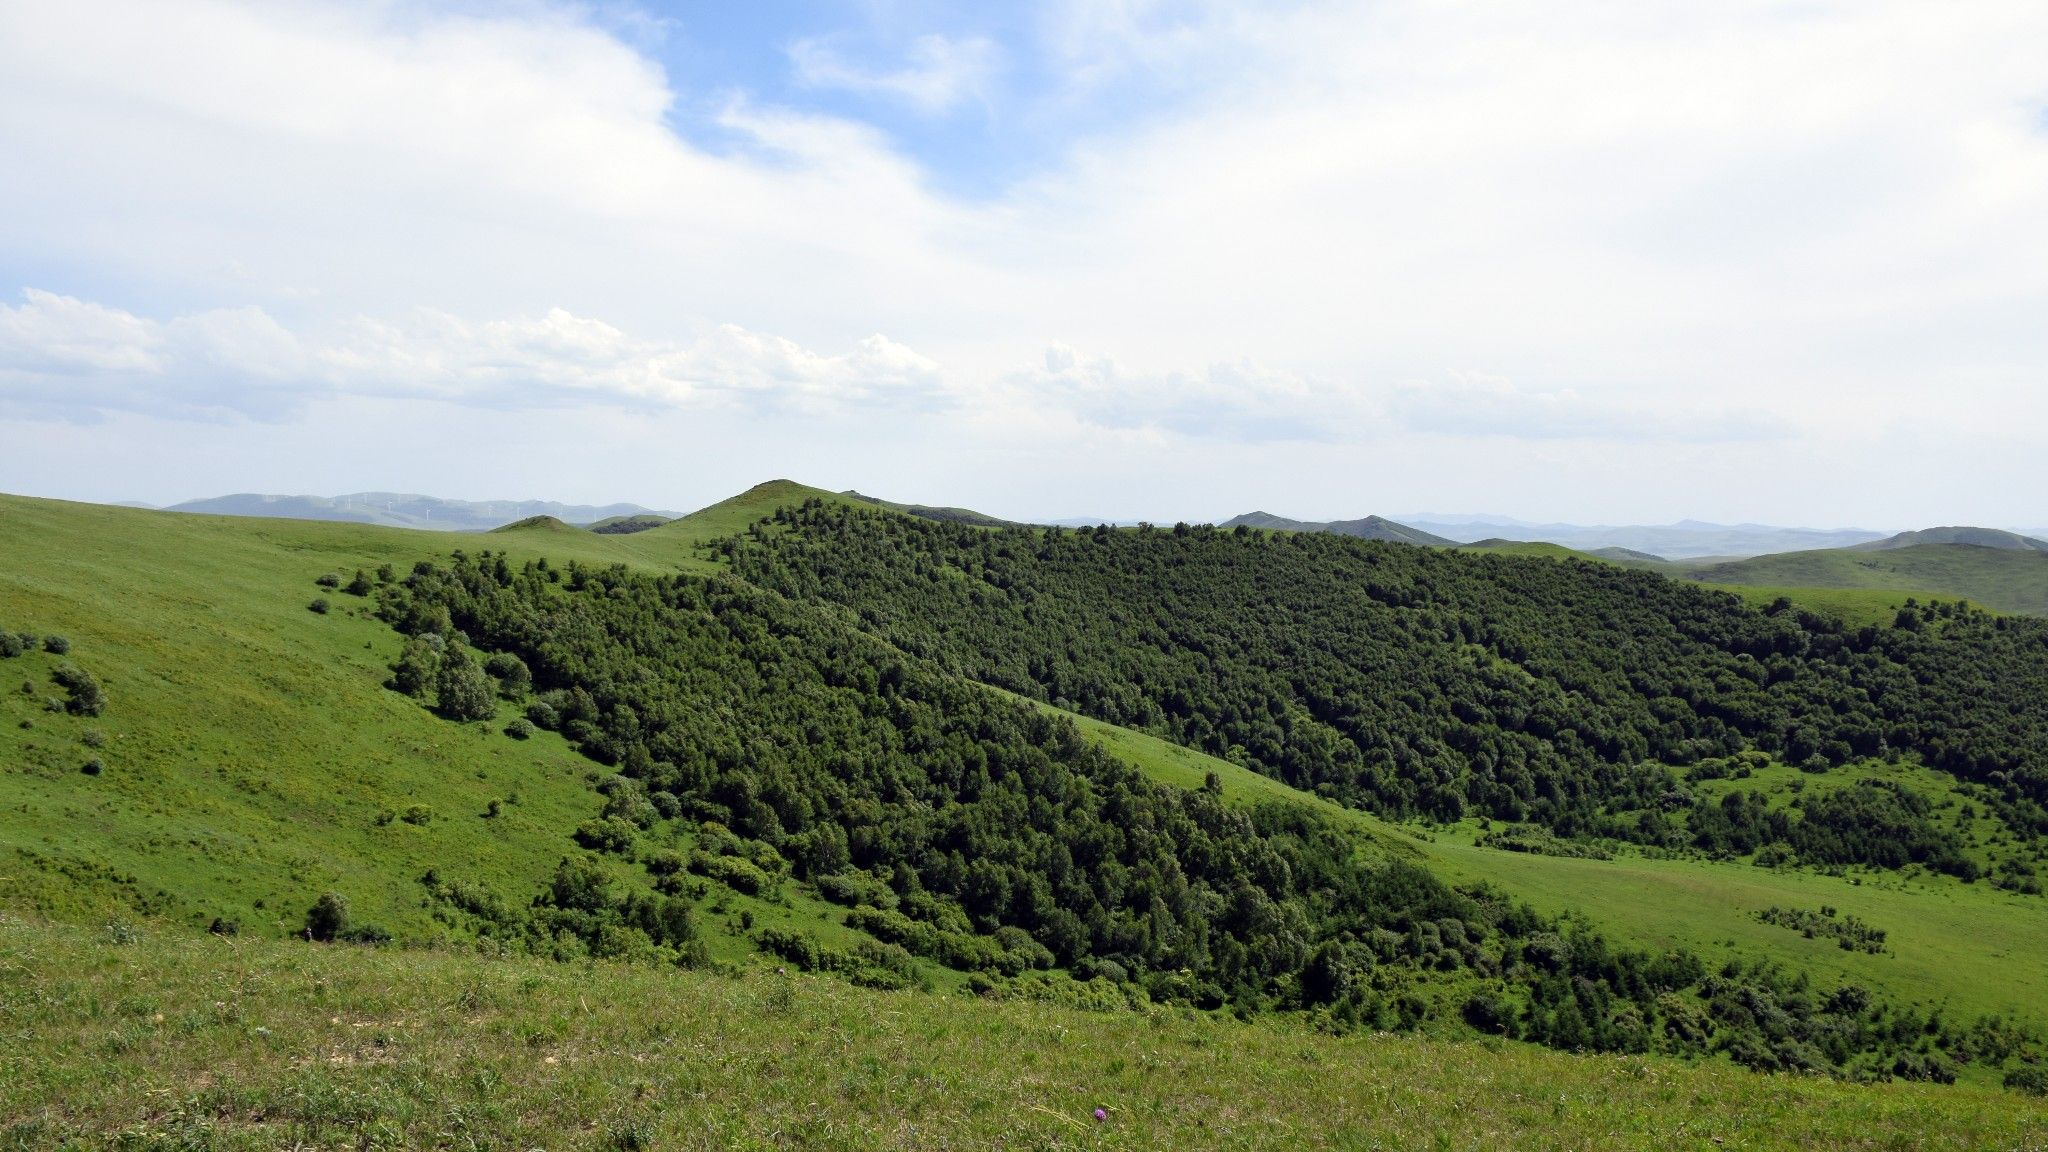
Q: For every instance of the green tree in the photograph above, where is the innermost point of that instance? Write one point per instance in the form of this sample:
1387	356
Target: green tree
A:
419	666
462	690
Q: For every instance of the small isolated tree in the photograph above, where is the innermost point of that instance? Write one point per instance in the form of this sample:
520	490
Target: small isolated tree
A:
463	691
328	917
56	645
319	606
330	580
360	586
10	645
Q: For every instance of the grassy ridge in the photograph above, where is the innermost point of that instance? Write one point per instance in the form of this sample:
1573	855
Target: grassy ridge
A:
2003	579
190	1042
252	757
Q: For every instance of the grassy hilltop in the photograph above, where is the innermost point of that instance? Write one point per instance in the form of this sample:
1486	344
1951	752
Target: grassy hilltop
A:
251	757
2006	579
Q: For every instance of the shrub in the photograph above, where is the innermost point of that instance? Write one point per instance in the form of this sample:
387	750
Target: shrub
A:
93	738
360	586
580	885
418	814
92	767
520	728
606	835
731	871
225	926
1487	1013
366	934
319	606
330	580
418	666
853	889
56	645
10	646
86	697
511	673
542	715
2029	1078
461	688
666	804
327	919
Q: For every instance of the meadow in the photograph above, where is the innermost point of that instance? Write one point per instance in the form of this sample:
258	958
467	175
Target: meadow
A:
251	756
131	1037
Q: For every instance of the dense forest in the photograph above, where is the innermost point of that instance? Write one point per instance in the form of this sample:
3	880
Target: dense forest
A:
1438	683
774	738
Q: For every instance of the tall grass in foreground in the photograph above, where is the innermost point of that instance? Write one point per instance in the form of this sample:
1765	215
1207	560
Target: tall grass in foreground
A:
147	1038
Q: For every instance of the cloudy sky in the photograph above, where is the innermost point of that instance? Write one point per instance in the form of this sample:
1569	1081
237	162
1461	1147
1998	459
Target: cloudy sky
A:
1593	260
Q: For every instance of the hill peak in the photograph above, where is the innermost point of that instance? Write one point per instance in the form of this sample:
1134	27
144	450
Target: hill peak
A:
1365	528
1958	534
537	524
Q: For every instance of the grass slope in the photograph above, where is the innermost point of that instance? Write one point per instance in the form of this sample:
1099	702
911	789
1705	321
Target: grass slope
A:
2004	579
1966	946
252	757
173	1041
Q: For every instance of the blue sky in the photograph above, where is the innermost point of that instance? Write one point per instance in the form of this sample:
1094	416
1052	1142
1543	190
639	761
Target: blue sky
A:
980	96
1133	258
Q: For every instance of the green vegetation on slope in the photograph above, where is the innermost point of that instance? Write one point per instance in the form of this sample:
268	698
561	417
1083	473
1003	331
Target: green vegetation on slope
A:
1424	681
928	512
160	1040
1951	945
117	586
976	833
2004	579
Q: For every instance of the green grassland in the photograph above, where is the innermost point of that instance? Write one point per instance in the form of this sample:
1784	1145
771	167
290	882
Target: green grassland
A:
1826	585
252	758
2001	579
139	1039
251	755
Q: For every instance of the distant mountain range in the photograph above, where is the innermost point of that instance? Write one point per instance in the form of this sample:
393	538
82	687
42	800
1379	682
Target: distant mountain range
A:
409	510
1367	528
1685	540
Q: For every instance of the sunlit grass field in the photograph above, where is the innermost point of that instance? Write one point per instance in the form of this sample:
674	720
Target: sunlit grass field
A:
149	1039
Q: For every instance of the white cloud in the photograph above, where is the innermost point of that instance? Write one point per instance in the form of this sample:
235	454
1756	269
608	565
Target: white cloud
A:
939	72
1247	402
1829	216
1470	404
66	358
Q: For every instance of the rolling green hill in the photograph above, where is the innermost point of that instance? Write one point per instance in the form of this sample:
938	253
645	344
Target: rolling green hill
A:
1975	537
2005	579
928	512
627	525
251	757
